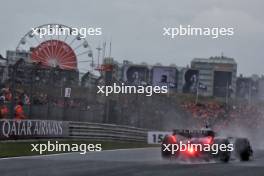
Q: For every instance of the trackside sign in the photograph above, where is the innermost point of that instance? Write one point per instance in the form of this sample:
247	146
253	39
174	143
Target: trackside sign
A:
32	128
156	137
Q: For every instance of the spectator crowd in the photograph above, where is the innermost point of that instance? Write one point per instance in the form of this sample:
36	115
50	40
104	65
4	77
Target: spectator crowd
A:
219	115
20	99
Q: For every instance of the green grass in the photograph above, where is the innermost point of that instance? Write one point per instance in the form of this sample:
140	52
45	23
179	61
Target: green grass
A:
23	148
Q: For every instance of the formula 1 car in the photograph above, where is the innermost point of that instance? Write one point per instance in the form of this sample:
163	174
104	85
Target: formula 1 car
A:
204	145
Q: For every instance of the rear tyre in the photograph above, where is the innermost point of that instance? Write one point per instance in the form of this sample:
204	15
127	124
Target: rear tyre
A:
223	156
243	149
167	154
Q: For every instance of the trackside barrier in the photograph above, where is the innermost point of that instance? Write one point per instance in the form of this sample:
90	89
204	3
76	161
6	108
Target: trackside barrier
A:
31	129
106	132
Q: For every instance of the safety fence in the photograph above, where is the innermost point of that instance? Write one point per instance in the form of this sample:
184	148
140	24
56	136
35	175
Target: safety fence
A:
35	129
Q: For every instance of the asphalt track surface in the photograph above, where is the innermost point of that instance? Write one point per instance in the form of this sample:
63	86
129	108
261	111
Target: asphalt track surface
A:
125	162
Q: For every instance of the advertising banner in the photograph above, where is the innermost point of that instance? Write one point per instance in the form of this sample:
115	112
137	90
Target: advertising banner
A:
164	76
20	129
136	74
191	77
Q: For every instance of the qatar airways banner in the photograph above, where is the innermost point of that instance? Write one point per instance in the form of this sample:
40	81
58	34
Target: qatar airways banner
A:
164	76
20	129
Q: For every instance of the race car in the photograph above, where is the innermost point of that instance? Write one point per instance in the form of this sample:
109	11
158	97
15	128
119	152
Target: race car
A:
204	145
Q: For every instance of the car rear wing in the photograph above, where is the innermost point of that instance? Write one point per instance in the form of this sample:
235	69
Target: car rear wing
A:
194	133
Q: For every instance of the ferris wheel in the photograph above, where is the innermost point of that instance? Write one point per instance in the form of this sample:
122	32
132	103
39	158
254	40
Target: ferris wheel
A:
64	50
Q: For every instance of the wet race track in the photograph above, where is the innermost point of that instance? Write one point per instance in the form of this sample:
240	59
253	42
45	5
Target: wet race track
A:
125	162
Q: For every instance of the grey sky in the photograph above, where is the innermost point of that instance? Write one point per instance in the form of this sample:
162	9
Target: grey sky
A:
135	27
